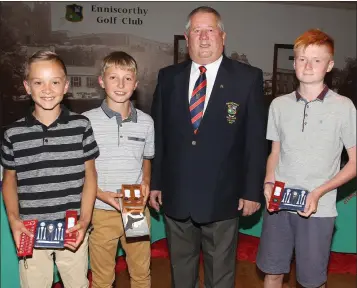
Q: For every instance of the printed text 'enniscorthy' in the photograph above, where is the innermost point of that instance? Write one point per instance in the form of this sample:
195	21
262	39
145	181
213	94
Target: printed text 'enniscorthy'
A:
111	9
118	10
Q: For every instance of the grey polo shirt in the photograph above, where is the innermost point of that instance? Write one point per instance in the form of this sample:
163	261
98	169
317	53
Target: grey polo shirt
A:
312	136
123	144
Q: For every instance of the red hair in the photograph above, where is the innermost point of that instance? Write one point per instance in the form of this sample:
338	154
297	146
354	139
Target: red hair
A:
315	37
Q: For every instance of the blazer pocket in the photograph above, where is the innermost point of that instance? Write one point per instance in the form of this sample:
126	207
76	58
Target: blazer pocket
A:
136	139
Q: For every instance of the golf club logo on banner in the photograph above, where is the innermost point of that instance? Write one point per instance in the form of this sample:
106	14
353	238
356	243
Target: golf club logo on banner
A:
74	13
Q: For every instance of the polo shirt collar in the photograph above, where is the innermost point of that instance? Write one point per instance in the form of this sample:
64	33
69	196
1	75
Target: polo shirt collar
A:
63	118
321	96
133	116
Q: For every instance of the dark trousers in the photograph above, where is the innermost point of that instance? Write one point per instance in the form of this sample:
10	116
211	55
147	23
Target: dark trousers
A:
219	245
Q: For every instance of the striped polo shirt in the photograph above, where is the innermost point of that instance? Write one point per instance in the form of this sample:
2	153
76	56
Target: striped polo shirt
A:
49	163
123	144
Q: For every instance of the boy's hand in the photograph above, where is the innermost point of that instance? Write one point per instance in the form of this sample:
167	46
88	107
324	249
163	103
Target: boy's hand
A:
312	201
155	199
81	229
146	191
17	228
111	198
268	190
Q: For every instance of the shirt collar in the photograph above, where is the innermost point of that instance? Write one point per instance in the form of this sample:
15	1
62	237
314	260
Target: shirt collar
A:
63	118
321	96
133	116
210	66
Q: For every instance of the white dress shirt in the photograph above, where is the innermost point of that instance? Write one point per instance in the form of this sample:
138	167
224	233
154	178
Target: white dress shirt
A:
211	74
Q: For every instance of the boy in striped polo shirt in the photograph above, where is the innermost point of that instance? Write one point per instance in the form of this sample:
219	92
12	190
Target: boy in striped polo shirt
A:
125	137
48	159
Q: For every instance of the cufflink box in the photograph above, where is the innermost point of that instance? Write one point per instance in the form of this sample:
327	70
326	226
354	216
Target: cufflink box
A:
71	220
287	198
294	199
135	224
133	198
132	208
48	234
26	242
277	196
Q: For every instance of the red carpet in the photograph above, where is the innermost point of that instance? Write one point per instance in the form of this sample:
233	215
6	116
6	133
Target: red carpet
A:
340	263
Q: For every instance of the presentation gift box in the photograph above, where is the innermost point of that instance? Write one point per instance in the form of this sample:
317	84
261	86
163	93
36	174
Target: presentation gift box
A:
26	242
132	207
287	198
48	234
133	198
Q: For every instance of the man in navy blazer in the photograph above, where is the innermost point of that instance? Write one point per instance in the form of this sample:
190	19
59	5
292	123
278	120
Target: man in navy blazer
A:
204	174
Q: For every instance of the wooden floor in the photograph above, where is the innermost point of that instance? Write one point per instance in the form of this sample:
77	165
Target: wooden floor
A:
247	276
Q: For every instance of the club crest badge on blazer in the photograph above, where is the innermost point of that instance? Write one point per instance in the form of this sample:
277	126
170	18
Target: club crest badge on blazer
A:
232	109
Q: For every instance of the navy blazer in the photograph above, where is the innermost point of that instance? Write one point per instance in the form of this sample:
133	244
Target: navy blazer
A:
203	175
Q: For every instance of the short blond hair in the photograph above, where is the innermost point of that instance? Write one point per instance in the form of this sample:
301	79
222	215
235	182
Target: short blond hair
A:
43	55
120	59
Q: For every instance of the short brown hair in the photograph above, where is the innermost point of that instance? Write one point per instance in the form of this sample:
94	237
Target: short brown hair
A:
121	59
315	37
43	55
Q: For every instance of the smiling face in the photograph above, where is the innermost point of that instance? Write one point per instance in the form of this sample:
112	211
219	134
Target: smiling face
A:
311	63
205	40
46	83
119	83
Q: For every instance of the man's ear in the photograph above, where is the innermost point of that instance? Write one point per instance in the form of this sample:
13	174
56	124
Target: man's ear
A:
224	37
330	65
136	85
101	82
186	37
27	87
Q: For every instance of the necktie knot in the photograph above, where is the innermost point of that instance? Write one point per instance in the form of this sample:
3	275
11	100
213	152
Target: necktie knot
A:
203	69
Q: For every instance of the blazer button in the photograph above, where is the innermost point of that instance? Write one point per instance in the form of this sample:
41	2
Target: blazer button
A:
193	143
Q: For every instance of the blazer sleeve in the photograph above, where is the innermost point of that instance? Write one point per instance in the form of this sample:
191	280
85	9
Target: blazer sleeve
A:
255	141
157	115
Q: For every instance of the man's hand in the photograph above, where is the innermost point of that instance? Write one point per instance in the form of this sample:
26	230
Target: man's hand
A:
268	190
155	199
312	201
111	198
80	229
249	207
17	228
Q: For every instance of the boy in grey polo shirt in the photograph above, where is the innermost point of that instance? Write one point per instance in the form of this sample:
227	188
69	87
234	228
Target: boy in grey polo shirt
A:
308	128
125	137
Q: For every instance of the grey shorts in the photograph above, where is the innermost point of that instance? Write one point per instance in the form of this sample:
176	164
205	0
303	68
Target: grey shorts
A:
310	237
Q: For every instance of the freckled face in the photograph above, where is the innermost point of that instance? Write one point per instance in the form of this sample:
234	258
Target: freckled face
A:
312	63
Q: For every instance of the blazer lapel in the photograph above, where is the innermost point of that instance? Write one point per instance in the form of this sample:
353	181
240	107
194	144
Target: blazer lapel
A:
181	102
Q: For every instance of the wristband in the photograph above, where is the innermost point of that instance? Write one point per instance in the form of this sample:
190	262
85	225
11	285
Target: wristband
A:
271	183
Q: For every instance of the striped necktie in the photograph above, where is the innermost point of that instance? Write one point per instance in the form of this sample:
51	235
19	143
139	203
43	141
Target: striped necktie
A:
197	101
